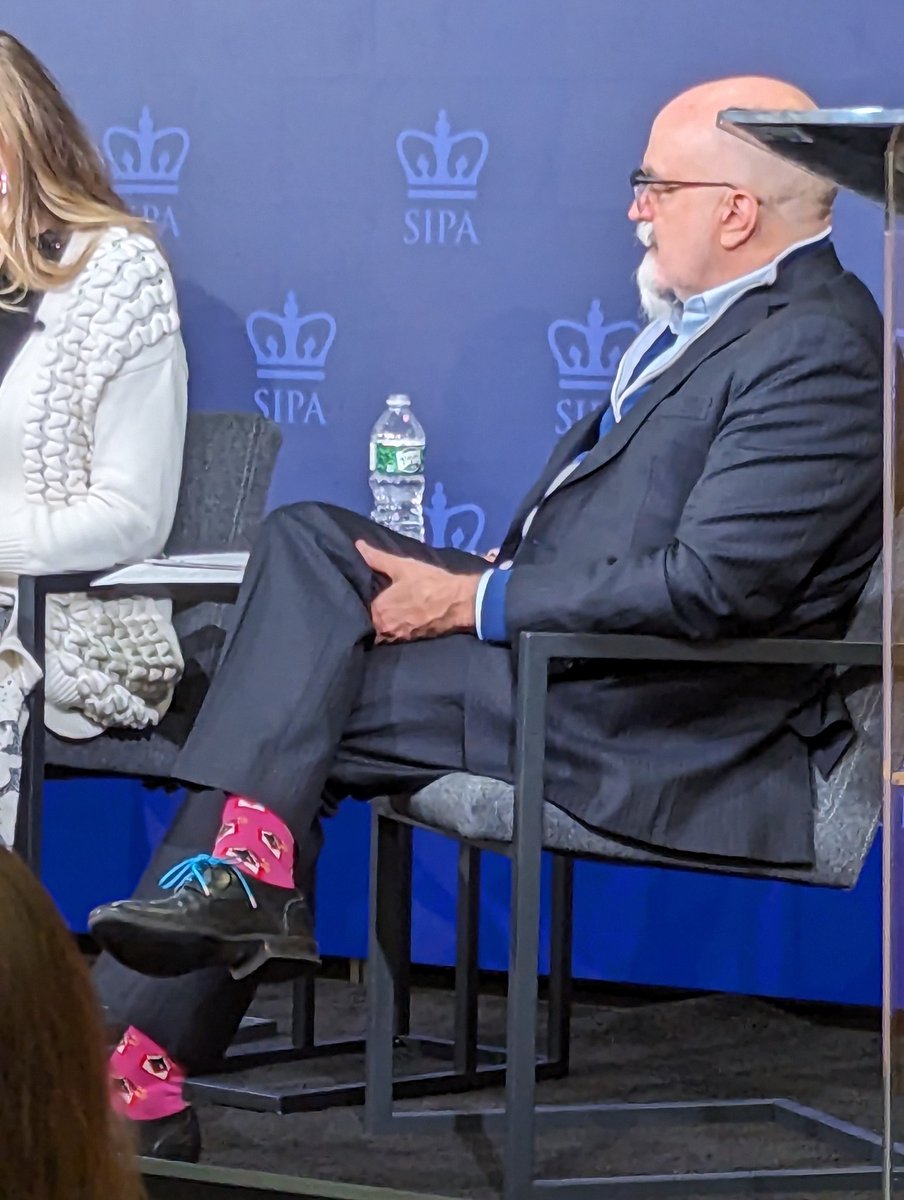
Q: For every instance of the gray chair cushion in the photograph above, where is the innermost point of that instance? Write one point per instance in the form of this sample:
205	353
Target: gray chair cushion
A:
228	465
146	755
848	803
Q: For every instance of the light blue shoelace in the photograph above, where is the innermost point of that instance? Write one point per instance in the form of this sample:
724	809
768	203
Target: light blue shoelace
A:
190	870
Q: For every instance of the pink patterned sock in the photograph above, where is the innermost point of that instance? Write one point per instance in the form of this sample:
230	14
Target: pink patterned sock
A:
257	841
145	1083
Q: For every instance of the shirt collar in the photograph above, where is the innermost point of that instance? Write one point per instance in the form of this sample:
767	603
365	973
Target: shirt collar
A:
699	310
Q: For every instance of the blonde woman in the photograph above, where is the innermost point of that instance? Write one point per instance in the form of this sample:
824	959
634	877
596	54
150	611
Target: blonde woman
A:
93	383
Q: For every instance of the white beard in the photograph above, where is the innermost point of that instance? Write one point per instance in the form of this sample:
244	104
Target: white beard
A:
657	303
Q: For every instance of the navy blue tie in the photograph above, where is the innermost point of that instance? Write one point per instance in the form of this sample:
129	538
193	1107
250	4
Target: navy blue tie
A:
659	346
663	342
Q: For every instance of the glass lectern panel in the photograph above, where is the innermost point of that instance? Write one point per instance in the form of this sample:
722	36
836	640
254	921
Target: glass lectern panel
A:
862	149
893	670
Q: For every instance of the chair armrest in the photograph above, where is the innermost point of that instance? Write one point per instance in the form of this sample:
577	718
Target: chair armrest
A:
34	590
65	581
547	647
537	650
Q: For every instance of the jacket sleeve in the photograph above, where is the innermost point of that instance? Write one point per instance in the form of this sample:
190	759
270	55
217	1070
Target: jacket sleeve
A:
135	472
795	462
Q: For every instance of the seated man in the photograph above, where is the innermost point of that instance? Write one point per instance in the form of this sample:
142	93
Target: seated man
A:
731	488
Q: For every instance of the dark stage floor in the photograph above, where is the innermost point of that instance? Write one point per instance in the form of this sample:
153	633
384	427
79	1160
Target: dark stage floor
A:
700	1048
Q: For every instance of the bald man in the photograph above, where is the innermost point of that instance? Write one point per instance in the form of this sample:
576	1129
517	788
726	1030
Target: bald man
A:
730	489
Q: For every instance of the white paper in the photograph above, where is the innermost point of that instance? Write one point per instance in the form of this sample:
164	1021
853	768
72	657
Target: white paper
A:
228	567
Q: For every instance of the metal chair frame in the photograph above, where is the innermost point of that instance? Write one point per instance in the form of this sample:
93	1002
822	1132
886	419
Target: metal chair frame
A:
521	1116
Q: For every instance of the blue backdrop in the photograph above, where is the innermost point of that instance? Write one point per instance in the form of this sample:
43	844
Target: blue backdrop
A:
366	196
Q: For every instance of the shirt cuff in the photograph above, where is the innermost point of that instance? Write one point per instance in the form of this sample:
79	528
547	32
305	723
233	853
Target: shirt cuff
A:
489	618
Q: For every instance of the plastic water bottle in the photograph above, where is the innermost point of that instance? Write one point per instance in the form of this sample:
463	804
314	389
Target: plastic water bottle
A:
397	469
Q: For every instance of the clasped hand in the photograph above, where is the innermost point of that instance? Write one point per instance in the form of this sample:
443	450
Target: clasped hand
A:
421	600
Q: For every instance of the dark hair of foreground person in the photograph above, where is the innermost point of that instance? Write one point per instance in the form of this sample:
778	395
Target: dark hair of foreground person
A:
59	1137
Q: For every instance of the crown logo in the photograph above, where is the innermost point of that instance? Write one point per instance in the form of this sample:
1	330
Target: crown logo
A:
470	529
427	160
588	355
146	160
278	346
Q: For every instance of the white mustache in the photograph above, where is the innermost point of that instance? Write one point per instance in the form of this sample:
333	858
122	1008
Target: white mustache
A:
644	230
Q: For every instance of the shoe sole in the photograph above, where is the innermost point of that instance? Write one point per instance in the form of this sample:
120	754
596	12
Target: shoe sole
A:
174	1152
166	1155
172	952
179	1143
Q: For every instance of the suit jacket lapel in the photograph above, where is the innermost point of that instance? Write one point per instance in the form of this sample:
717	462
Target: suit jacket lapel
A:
739	319
565	451
736	322
800	271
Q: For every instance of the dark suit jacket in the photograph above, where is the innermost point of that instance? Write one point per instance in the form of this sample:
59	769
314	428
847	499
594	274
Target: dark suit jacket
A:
741	496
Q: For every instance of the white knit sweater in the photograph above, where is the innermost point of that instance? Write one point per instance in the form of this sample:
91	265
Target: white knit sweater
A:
92	422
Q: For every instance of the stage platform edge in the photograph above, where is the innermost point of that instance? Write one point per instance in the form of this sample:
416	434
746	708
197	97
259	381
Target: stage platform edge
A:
185	1181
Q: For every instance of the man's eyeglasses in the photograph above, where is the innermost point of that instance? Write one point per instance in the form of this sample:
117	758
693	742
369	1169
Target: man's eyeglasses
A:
641	181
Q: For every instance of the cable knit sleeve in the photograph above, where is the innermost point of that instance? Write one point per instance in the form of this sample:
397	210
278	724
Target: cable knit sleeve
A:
128	509
103	448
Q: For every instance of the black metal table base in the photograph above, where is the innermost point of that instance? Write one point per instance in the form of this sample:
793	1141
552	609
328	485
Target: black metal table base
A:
184	1181
473	1064
178	1181
295	1098
841	1135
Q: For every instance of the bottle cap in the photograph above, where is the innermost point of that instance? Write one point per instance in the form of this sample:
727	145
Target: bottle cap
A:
398	400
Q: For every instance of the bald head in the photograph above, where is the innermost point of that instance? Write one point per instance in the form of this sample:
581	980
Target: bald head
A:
793	195
726	206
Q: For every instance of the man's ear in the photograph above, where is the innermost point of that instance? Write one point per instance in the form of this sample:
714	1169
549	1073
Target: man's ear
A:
738	220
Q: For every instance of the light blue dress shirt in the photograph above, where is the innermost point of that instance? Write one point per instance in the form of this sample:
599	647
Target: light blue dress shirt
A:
687	322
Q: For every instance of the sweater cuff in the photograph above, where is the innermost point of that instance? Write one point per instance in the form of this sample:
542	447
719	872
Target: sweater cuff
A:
490	616
62	687
15	551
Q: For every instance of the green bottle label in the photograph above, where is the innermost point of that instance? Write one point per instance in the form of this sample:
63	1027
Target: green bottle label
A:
397	460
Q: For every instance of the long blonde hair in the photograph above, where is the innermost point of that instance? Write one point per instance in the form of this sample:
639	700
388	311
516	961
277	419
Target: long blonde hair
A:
57	179
59	1136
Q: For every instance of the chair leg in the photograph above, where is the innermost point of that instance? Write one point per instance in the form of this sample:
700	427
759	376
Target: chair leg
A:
390	850
30	811
399	848
524	932
304	1013
558	1020
521	1040
467	959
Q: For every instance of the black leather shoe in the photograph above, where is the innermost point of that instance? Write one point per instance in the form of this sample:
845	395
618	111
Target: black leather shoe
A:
177	1137
216	916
